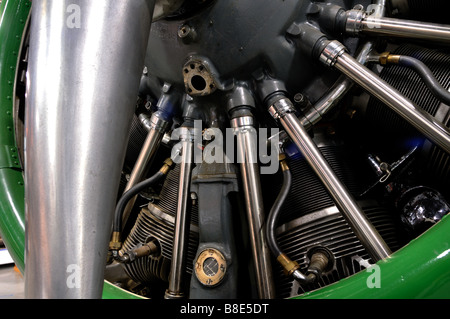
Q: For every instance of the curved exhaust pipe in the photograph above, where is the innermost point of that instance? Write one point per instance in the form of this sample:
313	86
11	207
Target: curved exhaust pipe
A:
86	59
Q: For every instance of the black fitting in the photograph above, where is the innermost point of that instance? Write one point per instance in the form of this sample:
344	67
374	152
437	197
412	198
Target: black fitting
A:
330	17
240	111
240	101
309	39
271	90
169	103
188	122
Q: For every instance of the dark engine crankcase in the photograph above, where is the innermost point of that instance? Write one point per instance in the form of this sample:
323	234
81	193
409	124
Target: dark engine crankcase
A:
230	41
204	53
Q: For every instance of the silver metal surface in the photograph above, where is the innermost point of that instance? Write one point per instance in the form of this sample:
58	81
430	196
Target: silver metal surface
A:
380	89
178	262
335	93
78	72
405	28
247	157
363	229
326	102
242	122
353	23
153	140
331	52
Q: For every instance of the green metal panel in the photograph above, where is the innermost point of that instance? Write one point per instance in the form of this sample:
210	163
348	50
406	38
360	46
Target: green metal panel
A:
12	221
14	15
113	292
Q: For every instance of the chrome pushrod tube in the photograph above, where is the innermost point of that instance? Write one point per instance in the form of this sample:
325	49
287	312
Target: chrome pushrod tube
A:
158	127
86	59
283	110
372	83
247	158
405	28
343	84
182	223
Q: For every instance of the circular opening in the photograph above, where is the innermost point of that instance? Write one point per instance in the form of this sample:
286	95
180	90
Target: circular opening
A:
184	31
198	83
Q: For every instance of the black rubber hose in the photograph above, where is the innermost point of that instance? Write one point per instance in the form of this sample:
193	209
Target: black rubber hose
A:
274	214
427	76
128	195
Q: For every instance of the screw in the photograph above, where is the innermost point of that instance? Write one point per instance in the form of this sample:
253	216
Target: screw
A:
187	33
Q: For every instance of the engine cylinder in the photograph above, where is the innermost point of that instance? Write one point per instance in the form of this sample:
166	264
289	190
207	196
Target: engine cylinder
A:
157	221
310	219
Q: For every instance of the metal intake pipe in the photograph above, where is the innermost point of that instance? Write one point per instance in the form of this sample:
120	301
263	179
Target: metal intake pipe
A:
406	29
157	129
334	55
283	110
86	59
158	124
359	21
247	157
178	262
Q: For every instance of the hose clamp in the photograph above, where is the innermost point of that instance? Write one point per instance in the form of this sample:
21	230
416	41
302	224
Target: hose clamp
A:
158	124
353	24
332	52
243	121
281	107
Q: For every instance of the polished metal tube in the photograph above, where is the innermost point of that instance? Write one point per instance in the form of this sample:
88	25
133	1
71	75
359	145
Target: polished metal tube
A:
342	85
372	83
364	230
405	28
247	157
329	100
151	144
182	224
86	59
335	94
